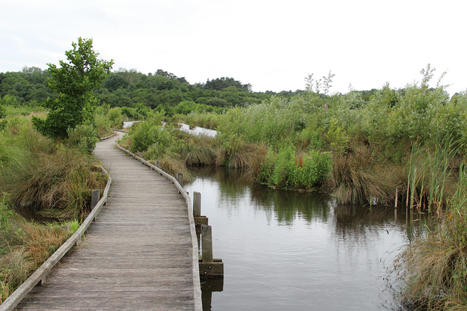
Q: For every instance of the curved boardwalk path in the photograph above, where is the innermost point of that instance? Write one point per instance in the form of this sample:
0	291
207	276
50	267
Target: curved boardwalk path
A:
138	255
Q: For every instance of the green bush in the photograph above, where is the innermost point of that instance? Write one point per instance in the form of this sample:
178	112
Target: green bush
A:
115	117
150	135
286	170
84	137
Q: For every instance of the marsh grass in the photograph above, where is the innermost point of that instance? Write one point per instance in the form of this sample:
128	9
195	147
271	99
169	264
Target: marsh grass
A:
208	120
434	268
24	245
356	177
431	176
45	180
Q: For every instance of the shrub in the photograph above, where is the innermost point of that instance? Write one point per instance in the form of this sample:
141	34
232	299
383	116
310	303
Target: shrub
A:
286	170
150	137
83	137
115	117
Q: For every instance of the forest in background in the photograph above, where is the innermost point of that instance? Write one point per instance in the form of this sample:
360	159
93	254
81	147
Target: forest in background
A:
162	91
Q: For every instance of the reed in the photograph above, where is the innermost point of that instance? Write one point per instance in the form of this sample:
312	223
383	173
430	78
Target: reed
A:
434	268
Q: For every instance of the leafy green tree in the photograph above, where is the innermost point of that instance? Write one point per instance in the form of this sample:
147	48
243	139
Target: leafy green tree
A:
74	82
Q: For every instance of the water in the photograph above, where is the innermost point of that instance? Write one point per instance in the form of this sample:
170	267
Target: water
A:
197	130
128	124
292	251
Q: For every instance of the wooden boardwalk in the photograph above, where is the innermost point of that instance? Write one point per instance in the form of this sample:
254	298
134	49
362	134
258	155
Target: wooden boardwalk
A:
138	255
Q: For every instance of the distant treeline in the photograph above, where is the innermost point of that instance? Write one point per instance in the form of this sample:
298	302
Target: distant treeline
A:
161	90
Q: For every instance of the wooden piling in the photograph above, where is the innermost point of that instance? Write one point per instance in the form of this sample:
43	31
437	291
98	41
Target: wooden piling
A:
206	237
209	267
196	204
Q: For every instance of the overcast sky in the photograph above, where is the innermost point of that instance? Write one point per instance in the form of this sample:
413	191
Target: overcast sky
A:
271	44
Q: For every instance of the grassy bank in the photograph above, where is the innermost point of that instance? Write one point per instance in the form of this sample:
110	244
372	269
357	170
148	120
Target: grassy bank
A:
45	190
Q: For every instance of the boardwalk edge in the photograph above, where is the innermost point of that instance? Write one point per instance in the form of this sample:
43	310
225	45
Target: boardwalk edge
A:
194	240
41	273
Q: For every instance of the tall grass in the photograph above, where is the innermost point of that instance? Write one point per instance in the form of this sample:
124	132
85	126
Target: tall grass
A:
431	176
45	179
434	268
208	120
24	246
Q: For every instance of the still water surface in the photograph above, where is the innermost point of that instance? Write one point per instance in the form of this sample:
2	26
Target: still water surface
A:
293	251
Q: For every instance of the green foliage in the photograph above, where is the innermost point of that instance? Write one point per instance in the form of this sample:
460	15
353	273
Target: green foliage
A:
73	225
224	82
83	137
115	117
270	123
2	112
74	82
151	137
26	86
10	100
286	170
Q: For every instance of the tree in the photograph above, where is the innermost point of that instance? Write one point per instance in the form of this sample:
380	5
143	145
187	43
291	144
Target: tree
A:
74	81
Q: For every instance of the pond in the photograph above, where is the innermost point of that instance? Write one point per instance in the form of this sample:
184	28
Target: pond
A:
296	251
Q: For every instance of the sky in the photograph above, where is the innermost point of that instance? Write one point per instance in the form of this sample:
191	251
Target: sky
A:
273	45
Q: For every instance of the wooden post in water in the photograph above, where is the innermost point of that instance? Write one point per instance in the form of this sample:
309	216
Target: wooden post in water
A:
196	204
95	197
209	267
199	220
180	179
206	235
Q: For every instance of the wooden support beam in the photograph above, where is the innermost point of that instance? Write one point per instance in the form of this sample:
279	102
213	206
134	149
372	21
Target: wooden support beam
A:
201	220
208	286
206	243
196	204
213	269
209	267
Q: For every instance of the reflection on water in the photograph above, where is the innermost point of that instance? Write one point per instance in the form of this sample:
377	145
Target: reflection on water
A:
296	251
